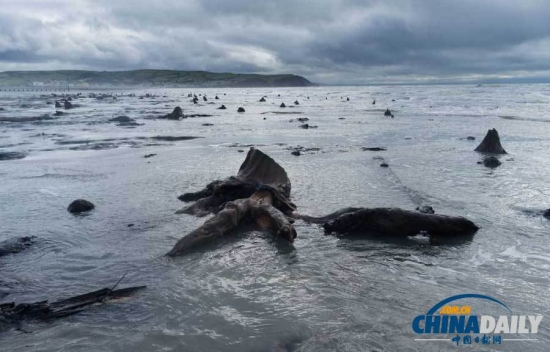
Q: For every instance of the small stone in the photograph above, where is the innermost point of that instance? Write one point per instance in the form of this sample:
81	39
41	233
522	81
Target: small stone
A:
79	206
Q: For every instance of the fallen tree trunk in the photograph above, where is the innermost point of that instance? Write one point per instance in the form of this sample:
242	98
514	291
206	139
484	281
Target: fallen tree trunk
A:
12	315
392	221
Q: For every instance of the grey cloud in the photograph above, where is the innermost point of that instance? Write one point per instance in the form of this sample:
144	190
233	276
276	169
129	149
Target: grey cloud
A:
341	41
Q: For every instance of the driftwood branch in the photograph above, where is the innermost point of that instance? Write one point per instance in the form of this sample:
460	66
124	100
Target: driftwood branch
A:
12	315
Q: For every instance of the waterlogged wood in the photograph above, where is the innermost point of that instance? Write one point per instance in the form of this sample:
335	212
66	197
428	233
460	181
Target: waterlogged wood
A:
12	315
392	221
259	195
491	143
258	171
257	209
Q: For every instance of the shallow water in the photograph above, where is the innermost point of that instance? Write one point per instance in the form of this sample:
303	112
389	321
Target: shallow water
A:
252	292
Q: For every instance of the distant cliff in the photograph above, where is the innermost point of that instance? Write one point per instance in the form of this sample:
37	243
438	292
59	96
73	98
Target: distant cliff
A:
146	78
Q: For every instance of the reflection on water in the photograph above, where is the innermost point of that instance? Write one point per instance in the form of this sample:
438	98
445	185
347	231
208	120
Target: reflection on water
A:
252	292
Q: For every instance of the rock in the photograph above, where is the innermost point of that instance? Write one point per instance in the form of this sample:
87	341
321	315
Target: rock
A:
149	156
216	98
240	151
388	113
79	206
347	99
296	102
296	153
204	98
262	100
130	225
282	105
222	107
491	144
373	149
384	164
57	104
59	113
374	102
68	105
306	126
241	109
195	100
176	114
471	138
208	124
121	119
546	213
302	119
491	162
426	209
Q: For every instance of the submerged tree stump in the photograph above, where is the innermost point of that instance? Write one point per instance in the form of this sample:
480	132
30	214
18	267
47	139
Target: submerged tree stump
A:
259	195
491	144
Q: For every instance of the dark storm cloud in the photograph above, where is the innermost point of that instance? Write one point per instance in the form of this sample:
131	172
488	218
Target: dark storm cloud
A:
343	41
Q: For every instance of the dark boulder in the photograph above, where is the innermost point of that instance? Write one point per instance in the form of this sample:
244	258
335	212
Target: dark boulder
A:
68	105
79	206
222	107
204	98
491	144
388	113
471	138
374	102
57	104
216	97
296	153
491	162
121	119
262	100
426	209
241	109
282	105
149	155
546	213
384	164
59	113
296	102
195	100
307	126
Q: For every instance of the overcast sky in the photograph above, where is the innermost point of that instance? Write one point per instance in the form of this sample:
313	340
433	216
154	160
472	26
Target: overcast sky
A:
334	42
